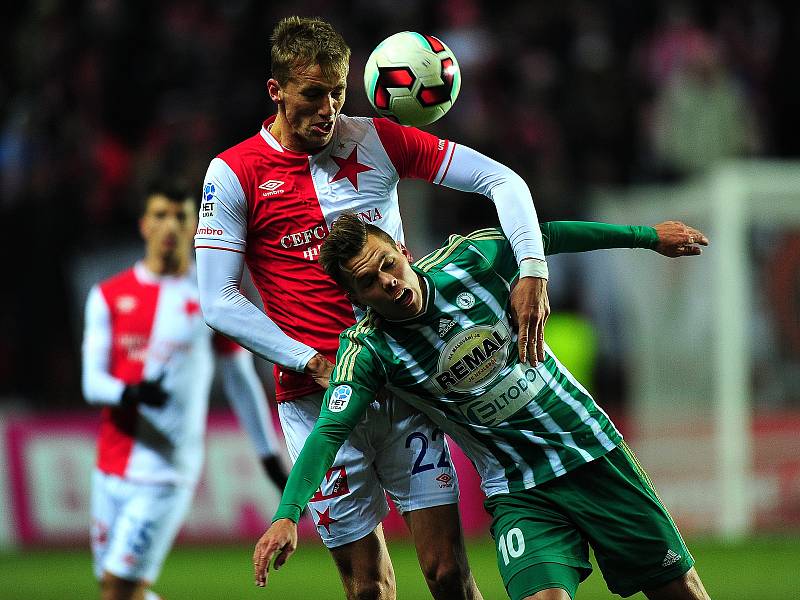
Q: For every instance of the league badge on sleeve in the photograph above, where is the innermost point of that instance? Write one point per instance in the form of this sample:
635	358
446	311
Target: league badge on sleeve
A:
207	208
340	398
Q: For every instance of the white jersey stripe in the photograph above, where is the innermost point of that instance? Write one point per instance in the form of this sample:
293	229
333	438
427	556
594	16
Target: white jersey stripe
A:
481	292
580	410
551	426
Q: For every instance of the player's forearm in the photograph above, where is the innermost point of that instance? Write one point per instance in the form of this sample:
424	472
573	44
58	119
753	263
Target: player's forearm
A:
583	236
228	311
473	172
98	385
317	456
248	400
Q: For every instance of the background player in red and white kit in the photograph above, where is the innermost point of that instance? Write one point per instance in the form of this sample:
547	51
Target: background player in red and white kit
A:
269	201
148	359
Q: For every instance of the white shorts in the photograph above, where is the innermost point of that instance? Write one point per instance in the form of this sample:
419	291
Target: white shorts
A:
134	525
395	450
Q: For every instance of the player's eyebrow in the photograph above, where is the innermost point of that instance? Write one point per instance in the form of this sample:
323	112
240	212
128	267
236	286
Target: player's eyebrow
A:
359	278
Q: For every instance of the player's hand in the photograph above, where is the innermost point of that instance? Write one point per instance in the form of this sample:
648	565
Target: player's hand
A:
147	392
280	538
320	369
677	239
530	308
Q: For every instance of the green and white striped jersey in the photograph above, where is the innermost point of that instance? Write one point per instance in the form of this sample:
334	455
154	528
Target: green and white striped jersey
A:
458	362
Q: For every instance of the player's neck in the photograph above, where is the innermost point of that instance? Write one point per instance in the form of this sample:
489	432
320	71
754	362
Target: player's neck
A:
276	129
167	265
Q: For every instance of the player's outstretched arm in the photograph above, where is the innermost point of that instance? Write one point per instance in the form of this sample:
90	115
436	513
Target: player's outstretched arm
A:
671	238
279	541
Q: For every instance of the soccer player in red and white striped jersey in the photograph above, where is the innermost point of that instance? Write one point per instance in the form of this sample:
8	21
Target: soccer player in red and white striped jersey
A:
148	360
269	202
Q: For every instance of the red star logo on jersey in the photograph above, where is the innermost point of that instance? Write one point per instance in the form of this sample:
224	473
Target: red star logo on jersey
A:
325	519
349	167
191	308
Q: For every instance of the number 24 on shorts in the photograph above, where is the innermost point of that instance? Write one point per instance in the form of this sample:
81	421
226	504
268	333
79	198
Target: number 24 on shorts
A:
511	544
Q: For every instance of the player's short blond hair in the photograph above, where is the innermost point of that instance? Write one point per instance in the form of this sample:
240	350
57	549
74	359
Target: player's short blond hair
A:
301	42
347	237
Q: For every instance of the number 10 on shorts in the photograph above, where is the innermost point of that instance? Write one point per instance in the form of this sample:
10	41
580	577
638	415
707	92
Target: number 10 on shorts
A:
511	544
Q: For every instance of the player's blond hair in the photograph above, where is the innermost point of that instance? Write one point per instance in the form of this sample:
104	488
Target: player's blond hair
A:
347	237
301	42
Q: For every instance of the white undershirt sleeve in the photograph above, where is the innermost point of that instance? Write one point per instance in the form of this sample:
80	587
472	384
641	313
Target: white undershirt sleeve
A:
227	310
99	386
471	171
247	398
220	244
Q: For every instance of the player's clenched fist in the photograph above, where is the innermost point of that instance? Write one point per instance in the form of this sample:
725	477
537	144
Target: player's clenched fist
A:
280	538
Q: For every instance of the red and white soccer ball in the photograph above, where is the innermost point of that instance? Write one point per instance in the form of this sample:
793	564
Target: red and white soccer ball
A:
412	78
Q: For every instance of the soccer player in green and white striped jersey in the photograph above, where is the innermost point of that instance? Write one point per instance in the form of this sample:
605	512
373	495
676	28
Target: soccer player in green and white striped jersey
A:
556	472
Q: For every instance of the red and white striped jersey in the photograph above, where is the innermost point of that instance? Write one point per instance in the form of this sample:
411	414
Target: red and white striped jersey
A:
276	205
142	326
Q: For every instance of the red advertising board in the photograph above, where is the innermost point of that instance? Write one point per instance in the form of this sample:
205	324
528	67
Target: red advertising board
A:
49	461
46	463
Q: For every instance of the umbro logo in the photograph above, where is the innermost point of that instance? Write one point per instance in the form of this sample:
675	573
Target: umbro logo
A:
445	325
127	304
670	559
272	187
445	480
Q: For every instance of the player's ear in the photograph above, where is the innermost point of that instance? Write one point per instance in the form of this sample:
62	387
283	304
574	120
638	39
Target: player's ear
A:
275	91
404	251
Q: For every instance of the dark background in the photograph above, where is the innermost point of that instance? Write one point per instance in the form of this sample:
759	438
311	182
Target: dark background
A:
98	97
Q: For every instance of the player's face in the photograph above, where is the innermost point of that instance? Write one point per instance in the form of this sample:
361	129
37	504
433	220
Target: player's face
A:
309	104
168	227
382	278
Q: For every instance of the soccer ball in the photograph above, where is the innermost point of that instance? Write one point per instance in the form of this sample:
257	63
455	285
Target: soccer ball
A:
412	78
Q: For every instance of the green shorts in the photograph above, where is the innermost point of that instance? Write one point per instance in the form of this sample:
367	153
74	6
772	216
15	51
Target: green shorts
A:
543	534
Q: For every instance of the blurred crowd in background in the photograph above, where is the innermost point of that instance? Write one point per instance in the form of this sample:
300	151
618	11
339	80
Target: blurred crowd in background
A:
97	97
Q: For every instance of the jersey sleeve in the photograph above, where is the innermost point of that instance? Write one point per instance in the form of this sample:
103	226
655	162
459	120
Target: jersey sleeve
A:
494	247
471	171
353	385
414	153
222	222
247	398
582	236
99	386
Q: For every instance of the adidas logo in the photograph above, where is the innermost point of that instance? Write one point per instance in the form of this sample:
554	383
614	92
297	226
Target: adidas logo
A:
445	325
670	559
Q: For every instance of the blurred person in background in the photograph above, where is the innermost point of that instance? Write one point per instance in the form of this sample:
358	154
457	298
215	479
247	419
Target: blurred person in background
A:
701	115
148	360
269	201
556	472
